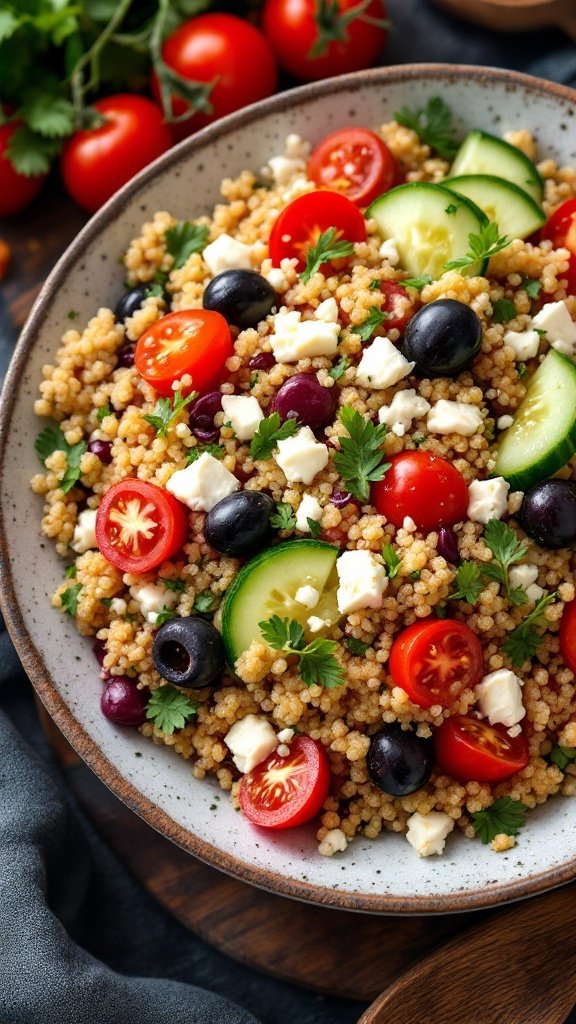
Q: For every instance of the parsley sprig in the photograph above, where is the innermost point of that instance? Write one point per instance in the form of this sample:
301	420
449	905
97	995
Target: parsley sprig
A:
283	518
167	411
373	321
503	310
356	647
531	286
51	440
360	459
432	124
205	603
504	817
328	247
481	247
193	454
69	598
562	756
468	583
184	239
393	562
317	664
523	642
270	431
506	549
170	709
339	369
417	282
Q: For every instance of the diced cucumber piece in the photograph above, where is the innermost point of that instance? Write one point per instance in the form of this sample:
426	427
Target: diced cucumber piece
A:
512	209
481	153
267	586
430	226
542	438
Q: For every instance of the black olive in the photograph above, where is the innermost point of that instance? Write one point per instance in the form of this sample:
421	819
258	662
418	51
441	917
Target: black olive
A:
189	652
240	524
130	302
399	761
243	297
442	338
548	513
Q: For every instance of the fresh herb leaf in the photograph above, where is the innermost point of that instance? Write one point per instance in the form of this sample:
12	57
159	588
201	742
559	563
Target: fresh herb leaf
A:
504	817
506	549
503	310
164	615
175	586
468	583
106	601
360	459
339	369
254	378
170	709
540	332
356	647
282	634
393	562
317	663
562	756
315	527
49	115
31	153
375	319
69	598
166	411
531	286
52	439
156	290
432	124
481	247
522	370
103	412
184	239
451	209
70	572
418	439
270	431
193	454
328	247
417	282
415	575
283	518
523	642
205	602
374	285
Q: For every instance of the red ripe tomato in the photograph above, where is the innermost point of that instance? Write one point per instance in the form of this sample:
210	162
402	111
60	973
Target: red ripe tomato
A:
139	525
16	190
568	636
302	222
194	341
470	750
226	51
397	306
353	161
435	660
561	230
286	791
97	162
424	487
313	40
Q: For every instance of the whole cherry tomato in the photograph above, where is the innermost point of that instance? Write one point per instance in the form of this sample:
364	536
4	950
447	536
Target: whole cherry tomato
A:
434	660
98	161
16	190
299	226
139	525
471	750
353	161
568	636
424	487
561	230
193	341
283	792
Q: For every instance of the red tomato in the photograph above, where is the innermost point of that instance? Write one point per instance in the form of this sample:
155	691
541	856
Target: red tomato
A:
16	190
424	487
314	41
139	525
97	162
568	636
286	791
435	660
225	50
353	161
193	341
301	223
470	750
397	306
561	230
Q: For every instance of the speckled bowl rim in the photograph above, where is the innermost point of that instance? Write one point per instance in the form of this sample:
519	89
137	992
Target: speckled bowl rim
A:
32	658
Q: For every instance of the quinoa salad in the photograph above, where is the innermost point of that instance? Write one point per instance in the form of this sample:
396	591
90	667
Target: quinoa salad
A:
312	482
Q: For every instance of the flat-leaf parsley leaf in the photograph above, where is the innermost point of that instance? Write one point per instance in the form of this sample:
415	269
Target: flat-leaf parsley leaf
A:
562	756
504	817
503	310
170	709
356	647
317	660
432	124
328	247
468	583
393	562
506	549
360	460
52	439
270	431
166	411
216	450
184	239
339	369
373	321
283	518
523	642
69	598
481	247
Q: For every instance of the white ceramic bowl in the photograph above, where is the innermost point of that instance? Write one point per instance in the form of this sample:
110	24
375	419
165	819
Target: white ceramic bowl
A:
384	876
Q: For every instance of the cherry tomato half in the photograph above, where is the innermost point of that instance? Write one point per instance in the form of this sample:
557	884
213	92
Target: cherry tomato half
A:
301	223
435	660
568	636
470	750
561	230
397	306
194	341
16	190
353	161
286	791
139	525
424	487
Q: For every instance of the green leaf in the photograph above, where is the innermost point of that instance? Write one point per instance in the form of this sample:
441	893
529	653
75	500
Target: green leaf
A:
314	526
451	209
504	817
70	573
417	282
196	94
31	153
184	239
164	615
339	369
375	319
360	459
374	285
318	664
50	440
170	709
562	756
468	583
523	642
503	310
167	411
270	431
328	247
218	451
69	598
283	518
531	286
356	647
205	603
104	411
48	114
506	549
393	562
282	634
481	247
175	586
9	23
432	124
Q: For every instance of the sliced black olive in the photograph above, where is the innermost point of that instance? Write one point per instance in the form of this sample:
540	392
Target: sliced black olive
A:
442	338
399	762
240	524
243	297
189	652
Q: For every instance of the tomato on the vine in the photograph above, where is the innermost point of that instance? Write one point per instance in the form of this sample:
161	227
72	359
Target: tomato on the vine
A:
283	792
560	229
16	190
300	224
315	39
435	660
424	487
192	341
471	750
353	161
139	525
98	161
568	636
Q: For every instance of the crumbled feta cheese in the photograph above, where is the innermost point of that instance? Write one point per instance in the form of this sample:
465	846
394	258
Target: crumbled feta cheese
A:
244	414
514	731
295	339
301	456
555	319
454	418
382	365
362	581
277	278
283	749
118	606
203	484
525	576
524	344
327	311
503	422
284	168
409	525
297	147
315	623
334	842
297	187
285	735
487	499
405	407
152	598
389	251
309	508
500	697
227	253
308	596
250	740
427	832
85	532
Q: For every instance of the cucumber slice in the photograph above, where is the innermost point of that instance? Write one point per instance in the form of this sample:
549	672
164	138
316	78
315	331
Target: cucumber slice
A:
481	153
430	225
267	586
542	438
512	209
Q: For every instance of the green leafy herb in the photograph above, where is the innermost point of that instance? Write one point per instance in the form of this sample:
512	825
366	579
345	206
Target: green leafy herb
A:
184	239
156	290
451	209
562	756
432	124
254	378
167	411
328	247
504	817
70	572
417	282
393	562
170	709
503	310
103	412
524	641
51	440
106	601
72	314
205	603
175	586
360	459
415	575
314	527
339	369
418	439
531	286
506	549
356	647
540	332
270	431
482	246
375	319
283	518
468	583
282	634
193	454
164	615
374	285
69	598
522	370
317	660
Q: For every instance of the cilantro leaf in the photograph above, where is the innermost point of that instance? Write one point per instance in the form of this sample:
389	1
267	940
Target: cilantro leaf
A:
270	431
283	518
317	661
356	647
360	459
205	602
393	562
505	816
69	598
339	369
375	319
314	526
282	634
503	310
193	454
170	709
52	439
164	615
31	153
104	411
166	411
328	247
417	282
184	239
70	572
523	642
562	756
175	586
432	124
531	286
481	247
468	583
506	549
48	114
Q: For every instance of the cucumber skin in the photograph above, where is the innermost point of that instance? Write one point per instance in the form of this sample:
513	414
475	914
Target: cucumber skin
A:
539	215
518	155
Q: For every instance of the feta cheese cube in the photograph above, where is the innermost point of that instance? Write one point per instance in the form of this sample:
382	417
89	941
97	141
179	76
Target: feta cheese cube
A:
309	508
362	582
295	339
284	168
301	457
152	598
227	253
250	741
203	484
382	365
454	418
315	623
525	576
503	422
308	596
277	278
85	532
334	842
500	697
405	407
487	499
327	311
244	413
523	343
409	525
427	832
285	735
514	730
118	606
555	319
389	251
